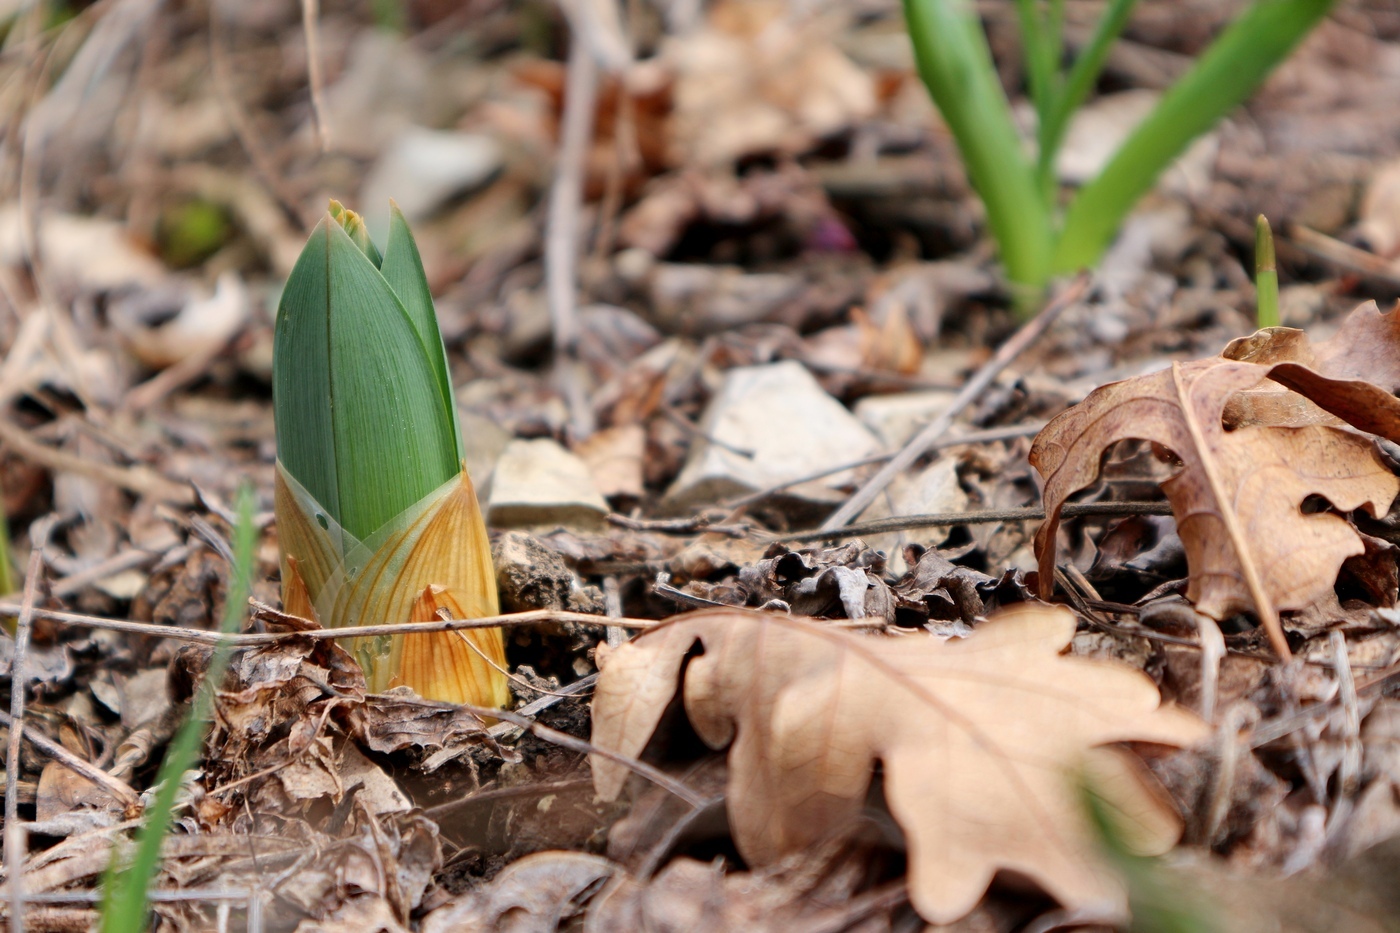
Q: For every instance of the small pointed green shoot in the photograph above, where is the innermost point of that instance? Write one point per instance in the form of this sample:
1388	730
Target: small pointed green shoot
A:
126	902
1265	274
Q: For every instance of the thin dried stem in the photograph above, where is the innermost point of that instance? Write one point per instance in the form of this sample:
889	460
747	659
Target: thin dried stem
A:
253	640
935	429
15	841
310	13
119	789
561	245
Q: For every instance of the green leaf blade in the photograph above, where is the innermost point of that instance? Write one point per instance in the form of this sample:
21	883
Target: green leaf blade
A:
956	66
360	417
1230	70
403	270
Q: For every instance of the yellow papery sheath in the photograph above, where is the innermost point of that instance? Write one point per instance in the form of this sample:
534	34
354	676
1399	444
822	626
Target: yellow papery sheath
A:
435	555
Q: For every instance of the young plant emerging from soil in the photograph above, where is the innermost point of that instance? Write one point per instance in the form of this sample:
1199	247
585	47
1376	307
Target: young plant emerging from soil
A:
1036	239
377	519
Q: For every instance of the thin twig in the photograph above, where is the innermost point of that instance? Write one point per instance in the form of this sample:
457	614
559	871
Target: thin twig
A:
940	519
117	788
974	437
677	526
139	479
561	245
310	13
919	444
564	740
19	686
253	640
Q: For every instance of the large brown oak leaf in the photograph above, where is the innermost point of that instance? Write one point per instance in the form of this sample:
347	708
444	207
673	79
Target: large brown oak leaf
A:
1239	493
982	742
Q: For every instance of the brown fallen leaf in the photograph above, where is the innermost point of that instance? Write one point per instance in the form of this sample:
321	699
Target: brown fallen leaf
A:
1238	494
980	739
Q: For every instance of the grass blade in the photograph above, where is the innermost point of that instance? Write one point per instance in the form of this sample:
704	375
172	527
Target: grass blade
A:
126	906
1082	77
1265	274
1235	64
956	65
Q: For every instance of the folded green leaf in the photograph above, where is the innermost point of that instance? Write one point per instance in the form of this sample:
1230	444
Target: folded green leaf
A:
364	420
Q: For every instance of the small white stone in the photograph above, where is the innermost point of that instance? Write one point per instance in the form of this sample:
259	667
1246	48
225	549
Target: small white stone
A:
769	425
424	168
538	482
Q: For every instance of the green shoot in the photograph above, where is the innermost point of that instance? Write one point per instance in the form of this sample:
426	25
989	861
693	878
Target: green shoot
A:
1020	193
1265	274
126	902
1159	902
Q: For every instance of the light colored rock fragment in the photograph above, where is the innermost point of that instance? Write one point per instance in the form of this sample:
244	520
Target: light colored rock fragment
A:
786	426
897	417
422	169
484	441
538	482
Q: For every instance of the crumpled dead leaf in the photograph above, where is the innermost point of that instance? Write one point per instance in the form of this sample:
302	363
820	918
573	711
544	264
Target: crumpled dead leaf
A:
538	892
1239	493
980	740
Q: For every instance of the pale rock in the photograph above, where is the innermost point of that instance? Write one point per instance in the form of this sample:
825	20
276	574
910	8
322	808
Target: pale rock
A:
897	417
484	441
789	427
84	254
1098	129
933	490
422	169
538	482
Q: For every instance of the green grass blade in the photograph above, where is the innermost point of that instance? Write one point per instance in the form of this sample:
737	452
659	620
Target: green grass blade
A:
1235	64
956	65
358	405
1082	77
403	270
1265	274
1037	50
126	904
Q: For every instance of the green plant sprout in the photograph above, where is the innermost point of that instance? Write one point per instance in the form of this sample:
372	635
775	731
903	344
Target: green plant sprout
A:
1265	275
377	520
1038	240
126	904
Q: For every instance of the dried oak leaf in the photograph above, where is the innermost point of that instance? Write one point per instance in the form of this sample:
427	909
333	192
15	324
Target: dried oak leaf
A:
980	740
1239	493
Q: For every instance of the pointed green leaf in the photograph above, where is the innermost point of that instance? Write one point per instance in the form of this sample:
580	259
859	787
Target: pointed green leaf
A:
357	401
403	270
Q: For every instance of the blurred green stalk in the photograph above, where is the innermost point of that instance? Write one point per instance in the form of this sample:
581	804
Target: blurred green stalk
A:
1020	193
126	903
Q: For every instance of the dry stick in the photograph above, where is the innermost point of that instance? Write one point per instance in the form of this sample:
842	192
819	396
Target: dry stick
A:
119	789
564	740
973	437
978	384
982	517
254	640
561	245
19	684
310	12
141	480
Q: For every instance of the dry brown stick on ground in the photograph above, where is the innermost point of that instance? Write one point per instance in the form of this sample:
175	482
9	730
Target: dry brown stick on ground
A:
936	428
15	841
